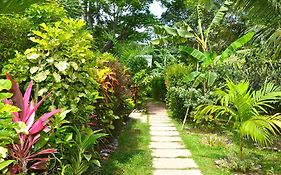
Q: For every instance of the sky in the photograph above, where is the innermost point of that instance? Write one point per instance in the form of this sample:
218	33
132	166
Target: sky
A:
156	9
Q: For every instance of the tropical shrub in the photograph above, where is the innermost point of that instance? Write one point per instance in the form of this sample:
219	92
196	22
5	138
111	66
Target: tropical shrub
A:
14	30
175	99
49	12
141	88
63	63
8	129
115	82
131	55
175	75
158	88
247	110
79	157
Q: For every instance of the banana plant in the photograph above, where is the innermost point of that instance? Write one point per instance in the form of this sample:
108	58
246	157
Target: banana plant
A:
247	111
206	57
182	32
210	59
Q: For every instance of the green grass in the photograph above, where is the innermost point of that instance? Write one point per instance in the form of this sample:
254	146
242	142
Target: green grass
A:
132	156
205	155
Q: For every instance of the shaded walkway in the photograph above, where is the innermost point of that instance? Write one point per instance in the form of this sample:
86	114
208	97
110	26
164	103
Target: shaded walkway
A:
170	157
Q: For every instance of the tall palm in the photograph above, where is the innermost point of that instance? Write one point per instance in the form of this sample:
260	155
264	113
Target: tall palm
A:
248	111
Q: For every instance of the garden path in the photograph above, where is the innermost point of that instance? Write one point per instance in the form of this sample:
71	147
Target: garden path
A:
170	157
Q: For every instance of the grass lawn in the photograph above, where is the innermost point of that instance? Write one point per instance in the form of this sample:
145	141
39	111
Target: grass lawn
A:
132	156
205	155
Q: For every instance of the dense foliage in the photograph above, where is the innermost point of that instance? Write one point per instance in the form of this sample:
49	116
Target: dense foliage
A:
213	61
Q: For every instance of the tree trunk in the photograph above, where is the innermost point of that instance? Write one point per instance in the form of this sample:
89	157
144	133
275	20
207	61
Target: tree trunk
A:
241	147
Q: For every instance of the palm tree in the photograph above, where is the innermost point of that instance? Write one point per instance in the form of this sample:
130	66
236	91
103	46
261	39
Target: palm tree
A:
248	111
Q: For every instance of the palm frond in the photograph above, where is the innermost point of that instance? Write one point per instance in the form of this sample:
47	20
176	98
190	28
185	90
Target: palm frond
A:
264	97
260	128
212	112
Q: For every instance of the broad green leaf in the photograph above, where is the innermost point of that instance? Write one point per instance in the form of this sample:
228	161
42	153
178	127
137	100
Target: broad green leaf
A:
5	95
33	69
162	40
74	65
33	56
63	114
184	33
193	52
200	78
158	65
5	84
57	77
230	50
62	65
211	76
68	137
218	16
88	157
8	108
42	91
41	76
155	42
210	58
96	162
5	164
191	77
171	31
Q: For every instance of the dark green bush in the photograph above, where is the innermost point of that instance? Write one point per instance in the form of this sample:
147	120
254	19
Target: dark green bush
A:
45	13
175	101
158	88
13	36
175	74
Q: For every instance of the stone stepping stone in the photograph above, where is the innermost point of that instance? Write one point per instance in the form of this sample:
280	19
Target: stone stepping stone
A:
159	122
164	133
173	163
170	153
163	128
177	172
161	125
165	139
159	119
165	145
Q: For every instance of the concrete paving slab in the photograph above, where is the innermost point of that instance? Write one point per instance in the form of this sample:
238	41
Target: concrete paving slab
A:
161	124
163	128
170	153
173	163
164	133
161	120
177	172
165	145
165	139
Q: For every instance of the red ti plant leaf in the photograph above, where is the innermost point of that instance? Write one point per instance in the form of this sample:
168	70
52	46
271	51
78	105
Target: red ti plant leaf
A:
17	97
41	165
22	151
